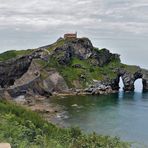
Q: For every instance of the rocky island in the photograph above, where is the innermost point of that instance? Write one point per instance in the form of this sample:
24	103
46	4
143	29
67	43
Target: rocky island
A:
70	66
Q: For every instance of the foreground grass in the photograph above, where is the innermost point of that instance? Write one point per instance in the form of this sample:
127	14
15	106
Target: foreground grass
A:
23	128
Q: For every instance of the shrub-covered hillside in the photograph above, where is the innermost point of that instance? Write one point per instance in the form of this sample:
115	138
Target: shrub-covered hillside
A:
23	128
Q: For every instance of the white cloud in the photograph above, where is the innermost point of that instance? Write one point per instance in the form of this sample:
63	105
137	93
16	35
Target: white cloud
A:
120	25
47	13
90	17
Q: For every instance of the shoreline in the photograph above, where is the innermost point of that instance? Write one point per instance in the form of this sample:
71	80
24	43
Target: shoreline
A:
54	113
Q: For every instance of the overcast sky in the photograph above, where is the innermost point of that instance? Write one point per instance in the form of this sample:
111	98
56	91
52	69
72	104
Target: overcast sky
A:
120	25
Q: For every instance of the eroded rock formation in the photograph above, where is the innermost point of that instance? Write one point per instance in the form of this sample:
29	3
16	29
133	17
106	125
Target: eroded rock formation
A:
82	49
37	74
129	78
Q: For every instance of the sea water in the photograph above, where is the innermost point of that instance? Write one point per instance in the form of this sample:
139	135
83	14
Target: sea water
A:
121	114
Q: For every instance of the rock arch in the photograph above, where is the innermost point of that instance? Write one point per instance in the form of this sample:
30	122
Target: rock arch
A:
129	79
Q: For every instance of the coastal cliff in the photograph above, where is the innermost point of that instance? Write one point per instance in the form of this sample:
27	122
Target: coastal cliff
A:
65	67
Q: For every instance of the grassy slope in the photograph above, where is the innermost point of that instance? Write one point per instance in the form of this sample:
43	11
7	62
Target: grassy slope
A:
24	128
87	73
13	54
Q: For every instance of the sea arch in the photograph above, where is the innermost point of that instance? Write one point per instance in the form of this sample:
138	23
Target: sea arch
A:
129	79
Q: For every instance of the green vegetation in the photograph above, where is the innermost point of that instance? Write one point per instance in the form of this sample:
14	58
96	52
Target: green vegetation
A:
130	68
86	72
57	44
23	128
13	54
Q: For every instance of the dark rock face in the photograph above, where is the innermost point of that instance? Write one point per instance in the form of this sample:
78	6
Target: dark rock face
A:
104	56
115	83
130	78
34	87
63	54
99	88
55	82
12	70
145	79
82	49
15	68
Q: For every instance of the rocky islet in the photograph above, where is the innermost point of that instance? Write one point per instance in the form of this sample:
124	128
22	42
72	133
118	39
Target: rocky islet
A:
40	73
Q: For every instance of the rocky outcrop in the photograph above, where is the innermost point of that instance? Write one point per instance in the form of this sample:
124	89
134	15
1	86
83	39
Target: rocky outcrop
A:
23	76
31	83
102	57
129	79
34	87
82	49
145	79
55	82
14	69
99	87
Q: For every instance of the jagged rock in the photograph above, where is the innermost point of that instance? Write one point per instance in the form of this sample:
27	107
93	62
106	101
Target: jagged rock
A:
55	82
33	87
145	80
13	69
63	54
103	57
24	75
83	49
30	84
99	88
129	79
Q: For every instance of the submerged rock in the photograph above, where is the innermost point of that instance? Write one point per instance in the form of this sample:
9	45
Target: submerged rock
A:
74	105
99	88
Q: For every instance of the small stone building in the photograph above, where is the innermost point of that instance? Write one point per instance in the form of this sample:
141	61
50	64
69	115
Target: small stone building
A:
70	36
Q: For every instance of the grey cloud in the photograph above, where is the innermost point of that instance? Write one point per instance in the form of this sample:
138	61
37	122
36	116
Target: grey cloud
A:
44	14
45	20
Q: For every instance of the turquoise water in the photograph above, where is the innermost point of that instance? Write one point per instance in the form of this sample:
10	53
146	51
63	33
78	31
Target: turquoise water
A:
121	114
